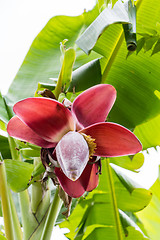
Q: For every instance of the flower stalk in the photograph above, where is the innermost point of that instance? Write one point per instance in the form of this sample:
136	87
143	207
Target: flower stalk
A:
36	190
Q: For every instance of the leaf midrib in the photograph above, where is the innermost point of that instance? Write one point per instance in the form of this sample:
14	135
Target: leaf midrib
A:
116	49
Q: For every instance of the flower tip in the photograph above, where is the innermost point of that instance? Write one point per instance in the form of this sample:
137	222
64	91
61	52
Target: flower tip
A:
73	175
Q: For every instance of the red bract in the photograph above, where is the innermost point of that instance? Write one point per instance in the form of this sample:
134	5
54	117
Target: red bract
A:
48	123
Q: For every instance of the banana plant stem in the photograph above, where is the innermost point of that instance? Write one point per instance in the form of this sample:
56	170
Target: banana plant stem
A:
27	218
52	216
15	220
5	204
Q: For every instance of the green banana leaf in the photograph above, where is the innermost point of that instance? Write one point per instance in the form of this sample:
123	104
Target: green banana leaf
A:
2	237
150	216
107	17
137	75
131	229
18	174
86	75
3	112
132	163
102	4
149	133
130	195
4	147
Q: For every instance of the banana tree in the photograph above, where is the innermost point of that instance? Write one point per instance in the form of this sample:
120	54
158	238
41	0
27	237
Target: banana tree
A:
58	108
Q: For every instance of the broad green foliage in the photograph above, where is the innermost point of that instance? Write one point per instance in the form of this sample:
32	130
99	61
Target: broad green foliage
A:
129	162
150	216
2	126
149	40
18	174
134	234
117	14
138	74
102	4
130	195
29	153
3	112
2	237
149	133
131	229
0	211
4	147
84	76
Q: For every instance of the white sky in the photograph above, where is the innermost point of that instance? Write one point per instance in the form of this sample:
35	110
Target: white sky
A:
20	22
